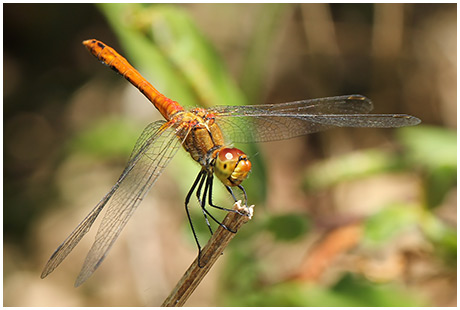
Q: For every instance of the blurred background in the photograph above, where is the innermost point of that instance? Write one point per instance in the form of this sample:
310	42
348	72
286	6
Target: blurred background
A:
346	217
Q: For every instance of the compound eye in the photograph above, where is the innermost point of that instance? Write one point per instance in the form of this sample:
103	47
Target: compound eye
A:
232	166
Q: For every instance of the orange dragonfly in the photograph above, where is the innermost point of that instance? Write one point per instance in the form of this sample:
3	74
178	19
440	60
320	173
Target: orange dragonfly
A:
205	134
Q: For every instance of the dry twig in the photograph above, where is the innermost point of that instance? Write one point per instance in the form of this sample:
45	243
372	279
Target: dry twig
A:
209	255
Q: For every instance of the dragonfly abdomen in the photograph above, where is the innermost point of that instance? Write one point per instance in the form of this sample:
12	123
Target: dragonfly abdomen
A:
119	64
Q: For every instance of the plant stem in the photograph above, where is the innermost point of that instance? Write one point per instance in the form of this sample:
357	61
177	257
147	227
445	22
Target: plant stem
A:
209	255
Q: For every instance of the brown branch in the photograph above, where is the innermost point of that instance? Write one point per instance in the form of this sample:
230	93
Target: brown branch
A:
209	255
331	246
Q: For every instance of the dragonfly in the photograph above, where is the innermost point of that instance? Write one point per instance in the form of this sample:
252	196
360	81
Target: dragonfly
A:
206	134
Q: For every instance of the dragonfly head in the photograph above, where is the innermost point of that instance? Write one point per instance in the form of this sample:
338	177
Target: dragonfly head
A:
232	166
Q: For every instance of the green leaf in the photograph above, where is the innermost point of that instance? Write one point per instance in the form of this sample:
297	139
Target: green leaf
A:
348	167
145	55
179	39
443	237
361	292
107	139
256	65
349	292
390	222
438	183
434	150
430	146
288	227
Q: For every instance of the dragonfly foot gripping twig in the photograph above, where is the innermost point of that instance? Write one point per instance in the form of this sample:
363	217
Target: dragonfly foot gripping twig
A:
209	255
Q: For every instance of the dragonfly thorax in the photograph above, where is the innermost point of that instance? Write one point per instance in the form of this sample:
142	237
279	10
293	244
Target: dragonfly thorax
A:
199	133
232	166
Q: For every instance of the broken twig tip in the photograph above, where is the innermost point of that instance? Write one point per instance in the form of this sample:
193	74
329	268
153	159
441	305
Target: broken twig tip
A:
244	209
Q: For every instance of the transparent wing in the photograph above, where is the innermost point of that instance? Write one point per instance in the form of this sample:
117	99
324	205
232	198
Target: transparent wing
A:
271	122
152	152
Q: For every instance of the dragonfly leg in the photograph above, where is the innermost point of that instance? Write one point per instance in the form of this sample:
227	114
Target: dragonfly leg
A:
198	190
231	192
208	185
206	179
200	177
229	189
209	182
244	194
202	202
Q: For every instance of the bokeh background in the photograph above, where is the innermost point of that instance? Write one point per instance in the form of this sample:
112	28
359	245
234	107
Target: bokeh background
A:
346	217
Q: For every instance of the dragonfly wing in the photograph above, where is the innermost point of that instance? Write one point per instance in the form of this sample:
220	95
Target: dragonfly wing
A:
67	246
364	120
270	122
349	104
266	128
153	150
152	156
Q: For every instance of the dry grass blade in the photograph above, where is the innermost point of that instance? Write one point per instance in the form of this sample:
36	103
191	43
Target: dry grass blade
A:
211	252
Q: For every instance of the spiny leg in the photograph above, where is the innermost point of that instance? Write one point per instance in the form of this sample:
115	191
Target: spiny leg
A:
208	185
202	201
200	176
244	194
199	181
231	192
209	182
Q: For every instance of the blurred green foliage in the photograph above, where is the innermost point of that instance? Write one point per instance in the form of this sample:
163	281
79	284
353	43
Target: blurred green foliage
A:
98	140
431	151
389	223
434	151
348	167
287	227
350	291
443	238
